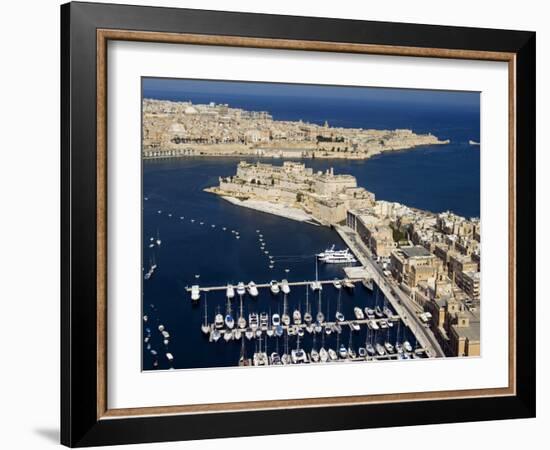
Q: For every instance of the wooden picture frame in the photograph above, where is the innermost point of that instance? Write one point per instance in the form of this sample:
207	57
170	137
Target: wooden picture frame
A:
86	418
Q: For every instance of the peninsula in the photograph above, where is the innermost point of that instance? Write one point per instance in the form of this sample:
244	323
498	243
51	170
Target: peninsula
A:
431	261
178	129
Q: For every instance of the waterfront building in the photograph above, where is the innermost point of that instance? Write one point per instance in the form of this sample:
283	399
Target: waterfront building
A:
218	130
413	264
468	281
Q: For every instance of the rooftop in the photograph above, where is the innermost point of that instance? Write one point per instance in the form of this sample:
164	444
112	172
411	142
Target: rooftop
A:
415	251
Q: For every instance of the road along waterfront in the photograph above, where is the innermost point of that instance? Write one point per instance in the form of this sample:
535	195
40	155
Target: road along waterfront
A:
400	302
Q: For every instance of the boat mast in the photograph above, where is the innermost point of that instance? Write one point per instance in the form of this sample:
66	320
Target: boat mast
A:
205	309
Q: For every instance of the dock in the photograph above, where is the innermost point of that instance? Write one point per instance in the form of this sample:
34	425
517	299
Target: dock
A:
267	285
416	354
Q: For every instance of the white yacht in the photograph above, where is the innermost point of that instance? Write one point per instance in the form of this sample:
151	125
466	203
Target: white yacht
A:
195	292
323	355
380	349
253	320
307	317
332	256
370	349
362	351
314	354
227	336
249	334
369	312
297	317
316	286
332	354
275	359
264	321
348	283
285	318
241	322
317	327
383	324
276	320
285	287
298	356
337	284
389	347
230	291
354	326
358	313
215	335
407	346
218	321
320	317
229	321
240	288
343	351
388	312
339	316
158	241
252	289
374	325
274	286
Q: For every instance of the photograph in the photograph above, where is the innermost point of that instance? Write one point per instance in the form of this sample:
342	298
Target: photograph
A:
288	224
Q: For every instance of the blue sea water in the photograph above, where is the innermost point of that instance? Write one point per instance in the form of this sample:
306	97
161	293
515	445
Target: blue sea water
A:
434	178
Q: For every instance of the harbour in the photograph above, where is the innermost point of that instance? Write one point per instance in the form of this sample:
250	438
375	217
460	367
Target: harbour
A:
212	242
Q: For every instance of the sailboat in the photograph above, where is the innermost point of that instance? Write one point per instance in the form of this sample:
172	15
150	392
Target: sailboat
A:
314	354
218	320
158	241
307	315
297	316
316	285
298	355
320	316
285	358
243	361
351	352
241	321
339	316
229	321
205	327
285	318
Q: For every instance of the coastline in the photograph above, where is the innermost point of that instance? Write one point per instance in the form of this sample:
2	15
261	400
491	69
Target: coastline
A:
284	153
287	212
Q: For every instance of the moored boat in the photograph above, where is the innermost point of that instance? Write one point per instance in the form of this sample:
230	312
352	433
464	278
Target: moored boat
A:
343	351
230	291
274	287
252	289
285	287
240	288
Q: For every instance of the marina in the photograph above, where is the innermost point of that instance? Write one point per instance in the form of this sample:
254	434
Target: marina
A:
252	283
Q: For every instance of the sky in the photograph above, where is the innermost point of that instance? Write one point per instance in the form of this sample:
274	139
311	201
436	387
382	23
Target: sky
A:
163	88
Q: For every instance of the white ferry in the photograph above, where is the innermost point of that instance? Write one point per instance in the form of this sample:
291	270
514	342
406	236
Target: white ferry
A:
332	256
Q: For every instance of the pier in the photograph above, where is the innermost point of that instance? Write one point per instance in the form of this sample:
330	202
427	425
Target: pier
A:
400	302
267	285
